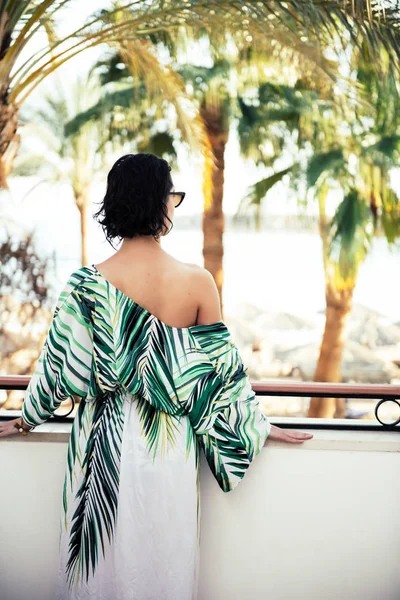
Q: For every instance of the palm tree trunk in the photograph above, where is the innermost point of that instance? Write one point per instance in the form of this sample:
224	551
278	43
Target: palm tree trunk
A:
3	176
9	139
213	215
338	307
82	202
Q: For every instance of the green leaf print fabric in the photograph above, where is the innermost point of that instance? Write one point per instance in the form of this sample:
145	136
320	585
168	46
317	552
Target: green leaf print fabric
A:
151	396
64	366
228	423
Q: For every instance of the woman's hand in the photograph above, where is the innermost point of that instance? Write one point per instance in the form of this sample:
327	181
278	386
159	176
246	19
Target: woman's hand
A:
8	428
290	436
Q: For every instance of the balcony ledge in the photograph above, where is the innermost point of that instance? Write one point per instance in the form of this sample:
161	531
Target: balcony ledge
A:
310	521
324	439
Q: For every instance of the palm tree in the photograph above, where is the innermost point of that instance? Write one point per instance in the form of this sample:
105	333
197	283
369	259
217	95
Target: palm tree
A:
303	22
19	76
353	153
217	90
211	91
359	162
74	159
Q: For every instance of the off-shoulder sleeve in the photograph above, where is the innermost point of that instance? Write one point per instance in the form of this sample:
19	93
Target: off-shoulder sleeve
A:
226	416
64	365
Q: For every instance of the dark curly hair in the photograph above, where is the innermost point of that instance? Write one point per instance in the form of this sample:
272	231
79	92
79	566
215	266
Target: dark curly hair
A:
136	198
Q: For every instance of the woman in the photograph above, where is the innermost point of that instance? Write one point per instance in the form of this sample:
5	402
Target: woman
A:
140	340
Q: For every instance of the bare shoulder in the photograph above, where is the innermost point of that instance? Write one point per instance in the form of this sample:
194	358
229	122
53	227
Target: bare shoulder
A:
205	290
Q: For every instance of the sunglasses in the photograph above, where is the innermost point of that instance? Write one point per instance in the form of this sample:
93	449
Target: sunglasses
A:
181	195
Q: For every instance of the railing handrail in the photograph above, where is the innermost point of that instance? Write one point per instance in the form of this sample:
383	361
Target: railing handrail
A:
318	389
273	388
313	389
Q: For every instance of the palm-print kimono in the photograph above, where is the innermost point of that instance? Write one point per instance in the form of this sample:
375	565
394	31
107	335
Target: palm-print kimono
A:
151	395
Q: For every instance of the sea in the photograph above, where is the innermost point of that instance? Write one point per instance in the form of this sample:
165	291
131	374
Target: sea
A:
278	270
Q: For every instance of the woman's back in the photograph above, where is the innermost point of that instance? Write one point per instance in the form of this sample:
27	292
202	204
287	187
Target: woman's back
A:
179	294
164	286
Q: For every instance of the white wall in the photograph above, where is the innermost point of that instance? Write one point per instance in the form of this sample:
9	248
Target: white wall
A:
316	521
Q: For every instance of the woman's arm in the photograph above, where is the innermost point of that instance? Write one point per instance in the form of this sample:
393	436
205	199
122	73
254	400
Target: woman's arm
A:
64	365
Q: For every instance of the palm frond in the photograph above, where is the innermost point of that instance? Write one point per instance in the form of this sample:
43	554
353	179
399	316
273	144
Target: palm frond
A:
309	21
386	146
259	190
200	76
144	65
252	201
390	215
124	116
110	68
349	234
160	144
278	112
107	105
325	162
